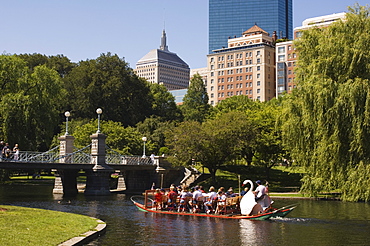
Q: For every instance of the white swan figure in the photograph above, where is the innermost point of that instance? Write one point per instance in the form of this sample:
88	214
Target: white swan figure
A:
248	204
248	200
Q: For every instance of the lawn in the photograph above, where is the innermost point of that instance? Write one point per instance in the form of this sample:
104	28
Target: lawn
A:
280	179
30	226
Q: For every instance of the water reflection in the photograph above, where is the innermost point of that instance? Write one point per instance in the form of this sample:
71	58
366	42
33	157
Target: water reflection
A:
311	223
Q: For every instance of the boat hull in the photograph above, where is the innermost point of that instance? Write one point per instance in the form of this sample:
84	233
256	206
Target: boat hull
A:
264	216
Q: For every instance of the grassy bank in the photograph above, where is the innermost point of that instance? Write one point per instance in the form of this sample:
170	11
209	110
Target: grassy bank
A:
29	226
280	179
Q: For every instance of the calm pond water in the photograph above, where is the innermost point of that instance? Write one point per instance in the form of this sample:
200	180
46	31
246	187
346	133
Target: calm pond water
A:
311	223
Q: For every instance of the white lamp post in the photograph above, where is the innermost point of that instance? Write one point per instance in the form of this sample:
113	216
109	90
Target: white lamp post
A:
67	114
144	140
99	111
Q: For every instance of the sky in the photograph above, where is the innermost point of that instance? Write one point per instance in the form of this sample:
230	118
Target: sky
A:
84	29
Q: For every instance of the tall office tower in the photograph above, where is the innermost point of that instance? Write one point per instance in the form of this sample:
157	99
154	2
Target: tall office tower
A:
160	66
229	18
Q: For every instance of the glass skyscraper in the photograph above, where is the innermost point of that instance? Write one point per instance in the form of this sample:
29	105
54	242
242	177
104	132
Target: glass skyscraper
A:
230	18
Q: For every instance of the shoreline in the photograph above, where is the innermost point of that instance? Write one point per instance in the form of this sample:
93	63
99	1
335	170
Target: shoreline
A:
88	236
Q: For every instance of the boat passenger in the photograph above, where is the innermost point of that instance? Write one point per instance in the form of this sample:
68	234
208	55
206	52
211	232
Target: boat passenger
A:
221	189
185	198
158	199
221	202
201	189
230	192
260	191
244	191
172	197
164	198
198	200
211	202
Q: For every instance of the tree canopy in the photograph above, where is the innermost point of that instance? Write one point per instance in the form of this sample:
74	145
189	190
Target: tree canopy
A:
30	102
108	83
327	120
195	104
212	143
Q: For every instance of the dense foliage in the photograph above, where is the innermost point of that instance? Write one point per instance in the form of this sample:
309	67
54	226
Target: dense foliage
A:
195	105
108	83
327	120
30	102
212	143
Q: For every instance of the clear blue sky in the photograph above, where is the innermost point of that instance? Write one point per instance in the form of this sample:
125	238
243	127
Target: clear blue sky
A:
83	29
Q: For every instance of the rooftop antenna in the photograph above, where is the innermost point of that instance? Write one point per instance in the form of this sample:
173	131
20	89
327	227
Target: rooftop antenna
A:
164	37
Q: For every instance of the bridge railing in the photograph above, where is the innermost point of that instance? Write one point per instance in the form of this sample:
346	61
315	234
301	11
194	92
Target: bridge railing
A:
81	158
30	156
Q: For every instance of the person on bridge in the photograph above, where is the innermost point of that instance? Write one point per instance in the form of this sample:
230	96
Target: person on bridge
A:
6	151
16	152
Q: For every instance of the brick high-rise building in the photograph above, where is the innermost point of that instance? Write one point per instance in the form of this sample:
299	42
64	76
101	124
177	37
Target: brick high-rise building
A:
245	67
286	56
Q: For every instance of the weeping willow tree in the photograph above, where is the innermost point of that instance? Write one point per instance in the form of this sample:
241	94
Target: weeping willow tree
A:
327	119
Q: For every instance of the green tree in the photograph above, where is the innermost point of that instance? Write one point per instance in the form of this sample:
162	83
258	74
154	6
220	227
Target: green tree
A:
30	103
154	129
164	104
195	105
124	140
59	63
213	143
108	83
326	121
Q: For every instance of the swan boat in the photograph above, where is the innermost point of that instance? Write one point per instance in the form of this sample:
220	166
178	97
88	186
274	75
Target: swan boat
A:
244	207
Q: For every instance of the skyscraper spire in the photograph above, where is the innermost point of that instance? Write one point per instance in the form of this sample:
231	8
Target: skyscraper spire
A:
164	41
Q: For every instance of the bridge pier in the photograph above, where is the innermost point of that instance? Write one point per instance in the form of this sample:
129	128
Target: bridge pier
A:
97	182
66	180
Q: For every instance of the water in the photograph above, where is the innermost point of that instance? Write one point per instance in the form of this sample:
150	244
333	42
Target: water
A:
311	223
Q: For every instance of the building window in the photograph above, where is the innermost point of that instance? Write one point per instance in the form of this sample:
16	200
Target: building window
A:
212	74
281	50
212	88
258	52
258	91
212	67
258	60
250	92
211	59
259	98
258	75
281	58
212	95
258	83
246	92
258	68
